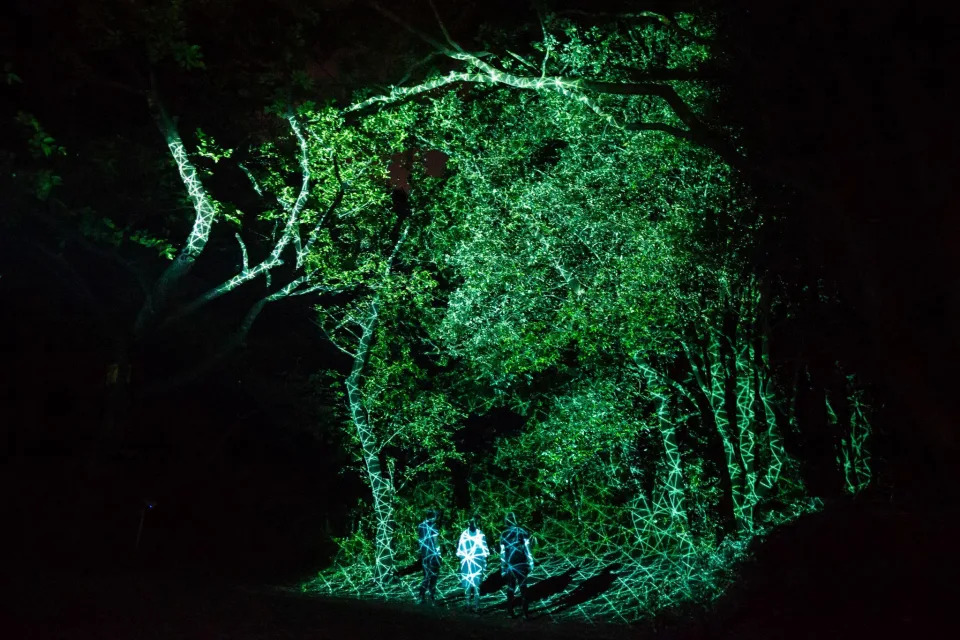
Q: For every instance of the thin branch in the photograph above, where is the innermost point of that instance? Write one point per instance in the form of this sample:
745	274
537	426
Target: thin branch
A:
521	60
434	43
443	28
396	248
253	180
319	288
291	228
243	251
575	88
237	339
415	65
546	46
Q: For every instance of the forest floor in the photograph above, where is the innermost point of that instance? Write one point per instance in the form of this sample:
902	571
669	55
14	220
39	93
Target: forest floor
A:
864	571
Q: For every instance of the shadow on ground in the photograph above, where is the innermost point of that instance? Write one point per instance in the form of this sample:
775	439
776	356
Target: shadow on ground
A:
853	571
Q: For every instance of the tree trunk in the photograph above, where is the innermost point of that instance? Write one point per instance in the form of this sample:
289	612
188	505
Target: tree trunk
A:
720	390
381	485
716	454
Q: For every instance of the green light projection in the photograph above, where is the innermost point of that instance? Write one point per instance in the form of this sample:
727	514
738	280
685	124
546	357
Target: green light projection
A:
379	484
305	279
516	563
290	235
205	211
852	457
428	537
350	248
596	244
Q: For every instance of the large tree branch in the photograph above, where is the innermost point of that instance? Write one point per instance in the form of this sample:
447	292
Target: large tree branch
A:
204	215
577	89
290	234
398	94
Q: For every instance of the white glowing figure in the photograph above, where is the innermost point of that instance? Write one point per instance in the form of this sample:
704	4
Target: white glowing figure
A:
472	551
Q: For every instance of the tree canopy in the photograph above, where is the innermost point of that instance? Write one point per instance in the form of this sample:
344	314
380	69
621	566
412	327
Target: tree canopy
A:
585	265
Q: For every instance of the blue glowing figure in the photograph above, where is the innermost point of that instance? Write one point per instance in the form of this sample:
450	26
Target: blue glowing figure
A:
516	562
429	539
472	551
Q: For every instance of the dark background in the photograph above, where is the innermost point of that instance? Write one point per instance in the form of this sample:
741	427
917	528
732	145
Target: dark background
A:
850	103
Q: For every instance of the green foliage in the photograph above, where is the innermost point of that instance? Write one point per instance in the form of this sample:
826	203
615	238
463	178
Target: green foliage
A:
349	166
161	245
587	262
103	230
597	280
208	148
188	56
41	143
166	26
45	152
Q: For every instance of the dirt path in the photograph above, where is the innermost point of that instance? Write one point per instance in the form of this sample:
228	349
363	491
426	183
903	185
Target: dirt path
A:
123	605
859	572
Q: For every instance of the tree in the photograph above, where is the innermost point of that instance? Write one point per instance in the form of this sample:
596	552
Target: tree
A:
597	246
105	217
589	262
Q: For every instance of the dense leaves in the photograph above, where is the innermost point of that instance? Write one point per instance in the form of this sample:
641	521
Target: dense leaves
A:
593	252
585	261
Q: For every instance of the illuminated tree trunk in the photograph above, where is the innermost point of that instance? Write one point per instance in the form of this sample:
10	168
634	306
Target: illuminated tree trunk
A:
850	430
735	377
380	484
856	455
204	217
741	377
674	479
716	453
765	402
710	373
157	312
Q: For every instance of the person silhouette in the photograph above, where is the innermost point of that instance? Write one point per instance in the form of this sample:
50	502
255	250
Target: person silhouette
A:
429	539
472	551
516	562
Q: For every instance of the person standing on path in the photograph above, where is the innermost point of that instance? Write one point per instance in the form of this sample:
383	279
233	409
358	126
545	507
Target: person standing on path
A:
429	539
516	562
472	551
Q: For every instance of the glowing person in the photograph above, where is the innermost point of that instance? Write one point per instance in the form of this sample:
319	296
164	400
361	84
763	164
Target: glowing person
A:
516	562
429	539
472	551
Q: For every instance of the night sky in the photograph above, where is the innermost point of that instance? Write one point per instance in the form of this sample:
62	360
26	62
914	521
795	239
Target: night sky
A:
851	106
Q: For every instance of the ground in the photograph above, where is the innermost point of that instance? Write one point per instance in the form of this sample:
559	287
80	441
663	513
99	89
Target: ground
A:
855	571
